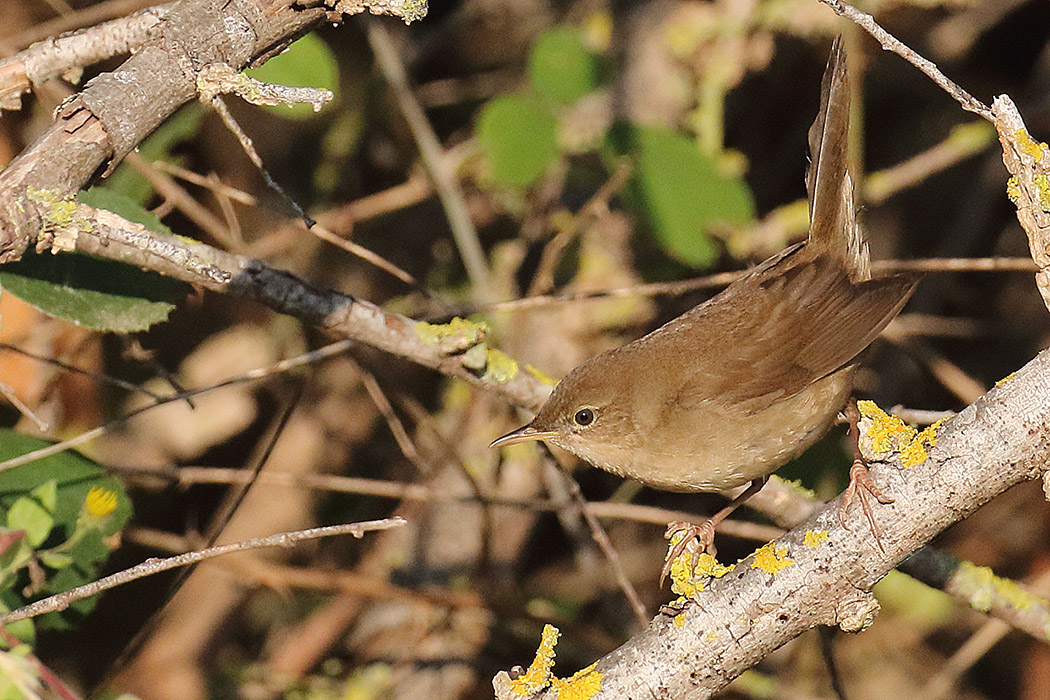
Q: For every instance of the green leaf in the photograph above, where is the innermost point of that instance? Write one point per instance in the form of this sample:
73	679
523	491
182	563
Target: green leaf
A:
23	629
46	495
28	515
73	474
55	560
307	63
103	295
682	193
179	128
518	135
560	66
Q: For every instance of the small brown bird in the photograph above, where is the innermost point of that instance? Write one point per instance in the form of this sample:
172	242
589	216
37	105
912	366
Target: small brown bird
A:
739	385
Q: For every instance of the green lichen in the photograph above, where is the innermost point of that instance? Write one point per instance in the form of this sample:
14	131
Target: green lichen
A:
414	10
476	357
59	210
982	588
1026	144
499	366
457	335
1013	190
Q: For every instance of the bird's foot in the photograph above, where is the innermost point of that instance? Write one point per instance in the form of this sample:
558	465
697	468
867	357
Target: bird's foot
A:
702	536
863	489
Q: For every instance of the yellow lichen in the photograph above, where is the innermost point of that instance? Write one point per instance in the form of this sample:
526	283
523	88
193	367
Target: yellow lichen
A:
771	559
796	487
1006	378
687	579
982	588
915	453
1042	187
814	538
679	619
541	375
1013	190
455	336
538	676
1026	144
711	636
890	435
582	685
499	366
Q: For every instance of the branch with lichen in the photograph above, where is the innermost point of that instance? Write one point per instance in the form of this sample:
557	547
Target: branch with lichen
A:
458	348
822	571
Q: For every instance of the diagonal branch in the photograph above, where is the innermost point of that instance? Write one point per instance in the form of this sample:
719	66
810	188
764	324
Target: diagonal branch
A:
799	582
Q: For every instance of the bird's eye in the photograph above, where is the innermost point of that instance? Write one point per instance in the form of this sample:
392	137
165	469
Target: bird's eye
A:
584	417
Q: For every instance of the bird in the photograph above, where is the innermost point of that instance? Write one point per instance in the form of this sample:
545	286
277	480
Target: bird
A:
742	383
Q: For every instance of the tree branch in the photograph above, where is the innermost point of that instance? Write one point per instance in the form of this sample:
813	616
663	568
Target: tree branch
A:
996	442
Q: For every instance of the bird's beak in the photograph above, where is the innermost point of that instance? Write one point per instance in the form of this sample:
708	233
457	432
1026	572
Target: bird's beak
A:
523	434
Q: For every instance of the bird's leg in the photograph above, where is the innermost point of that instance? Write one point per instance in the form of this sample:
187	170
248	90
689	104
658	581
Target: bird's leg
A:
704	533
860	486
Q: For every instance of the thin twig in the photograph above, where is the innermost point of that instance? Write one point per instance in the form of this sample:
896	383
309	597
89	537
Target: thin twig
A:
381	488
892	43
598	203
430	150
282	366
183	200
20	405
211	183
721	279
61	601
602	540
368	256
116	11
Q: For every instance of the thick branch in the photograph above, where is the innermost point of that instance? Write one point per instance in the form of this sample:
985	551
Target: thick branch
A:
998	441
106	235
116	111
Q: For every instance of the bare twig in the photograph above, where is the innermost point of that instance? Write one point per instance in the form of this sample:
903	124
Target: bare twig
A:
282	366
602	540
892	43
367	255
54	57
20	405
99	378
110	11
149	567
430	150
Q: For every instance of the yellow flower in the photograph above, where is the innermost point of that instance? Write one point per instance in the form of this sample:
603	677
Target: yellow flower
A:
100	502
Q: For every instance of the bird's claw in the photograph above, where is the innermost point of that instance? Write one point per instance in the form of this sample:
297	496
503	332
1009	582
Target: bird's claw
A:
861	487
703	535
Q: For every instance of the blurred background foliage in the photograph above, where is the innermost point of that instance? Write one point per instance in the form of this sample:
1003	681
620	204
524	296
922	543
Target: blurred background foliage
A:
594	146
